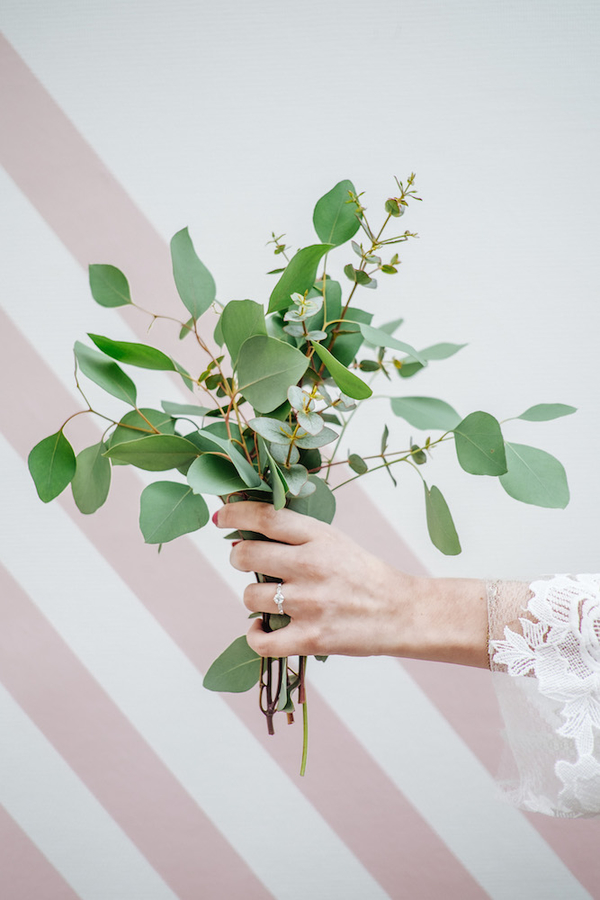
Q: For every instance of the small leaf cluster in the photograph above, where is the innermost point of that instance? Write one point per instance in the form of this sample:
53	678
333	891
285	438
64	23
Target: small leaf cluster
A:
275	388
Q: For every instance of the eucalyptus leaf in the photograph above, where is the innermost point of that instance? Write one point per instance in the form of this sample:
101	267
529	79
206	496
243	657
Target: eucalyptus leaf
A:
155	453
134	354
295	477
211	474
105	373
184	409
109	286
335	219
298	277
279	485
480	445
426	412
272	430
168	510
544	412
134	425
350	339
307	441
380	338
439	522
240	320
91	482
244	468
347	381
535	477
319	505
52	466
195	285
266	369
237	669
357	464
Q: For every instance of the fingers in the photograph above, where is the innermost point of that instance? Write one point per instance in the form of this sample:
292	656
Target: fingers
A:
260	597
282	525
293	640
275	560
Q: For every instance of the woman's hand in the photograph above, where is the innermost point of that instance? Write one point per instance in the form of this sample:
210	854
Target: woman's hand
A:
343	600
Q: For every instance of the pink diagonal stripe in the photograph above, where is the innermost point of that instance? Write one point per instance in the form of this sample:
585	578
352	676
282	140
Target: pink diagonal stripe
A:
108	754
24	869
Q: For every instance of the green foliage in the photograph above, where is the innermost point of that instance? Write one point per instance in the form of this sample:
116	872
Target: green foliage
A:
335	217
318	505
195	285
91	482
105	373
357	464
240	320
480	445
109	286
237	669
52	466
299	276
168	510
211	474
380	338
535	476
426	412
155	452
543	412
134	354
266	368
409	366
439	522
347	381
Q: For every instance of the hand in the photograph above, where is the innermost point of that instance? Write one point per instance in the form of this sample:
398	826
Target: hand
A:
343	600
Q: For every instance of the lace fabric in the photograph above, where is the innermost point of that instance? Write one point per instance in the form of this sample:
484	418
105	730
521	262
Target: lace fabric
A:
545	659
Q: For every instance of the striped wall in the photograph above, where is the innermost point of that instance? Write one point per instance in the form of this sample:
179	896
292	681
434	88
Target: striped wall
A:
120	777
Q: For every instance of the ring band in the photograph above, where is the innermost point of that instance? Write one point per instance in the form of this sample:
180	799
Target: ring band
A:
279	598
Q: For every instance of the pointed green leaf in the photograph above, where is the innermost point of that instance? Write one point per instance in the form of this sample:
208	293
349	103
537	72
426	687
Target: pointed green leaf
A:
211	474
335	219
350	338
426	412
440	351
543	412
52	466
266	368
244	468
134	425
184	409
105	373
195	284
237	669
155	453
347	381
319	505
439	522
278	483
109	286
168	510
134	354
536	477
298	277
380	338
480	445
240	320
91	482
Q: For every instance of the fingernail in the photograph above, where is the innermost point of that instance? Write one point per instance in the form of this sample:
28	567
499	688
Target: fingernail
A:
215	517
233	543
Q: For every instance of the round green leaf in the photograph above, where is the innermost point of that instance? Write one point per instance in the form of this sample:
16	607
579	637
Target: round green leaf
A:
439	522
91	482
109	286
240	320
425	412
357	464
347	381
155	453
535	477
52	466
244	468
168	510
237	669
480	445
266	368
134	426
210	474
195	285
335	219
134	354
105	373
318	505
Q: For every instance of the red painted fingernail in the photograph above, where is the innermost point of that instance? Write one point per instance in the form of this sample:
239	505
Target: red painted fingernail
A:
233	543
215	517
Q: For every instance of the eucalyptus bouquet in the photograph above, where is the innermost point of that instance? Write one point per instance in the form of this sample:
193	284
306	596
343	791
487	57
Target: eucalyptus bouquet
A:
273	393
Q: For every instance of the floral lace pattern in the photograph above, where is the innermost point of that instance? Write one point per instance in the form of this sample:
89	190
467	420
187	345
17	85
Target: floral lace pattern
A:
552	653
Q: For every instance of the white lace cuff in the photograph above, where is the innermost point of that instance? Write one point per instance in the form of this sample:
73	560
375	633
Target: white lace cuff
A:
545	659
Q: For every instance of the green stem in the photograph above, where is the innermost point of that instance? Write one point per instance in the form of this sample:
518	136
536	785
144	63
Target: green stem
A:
302	692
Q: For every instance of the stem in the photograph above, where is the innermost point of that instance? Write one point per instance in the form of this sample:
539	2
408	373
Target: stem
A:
302	693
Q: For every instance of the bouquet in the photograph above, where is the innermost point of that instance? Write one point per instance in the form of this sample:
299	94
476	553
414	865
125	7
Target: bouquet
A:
271	399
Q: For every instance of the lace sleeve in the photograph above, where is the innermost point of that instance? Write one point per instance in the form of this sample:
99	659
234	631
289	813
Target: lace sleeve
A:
545	659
